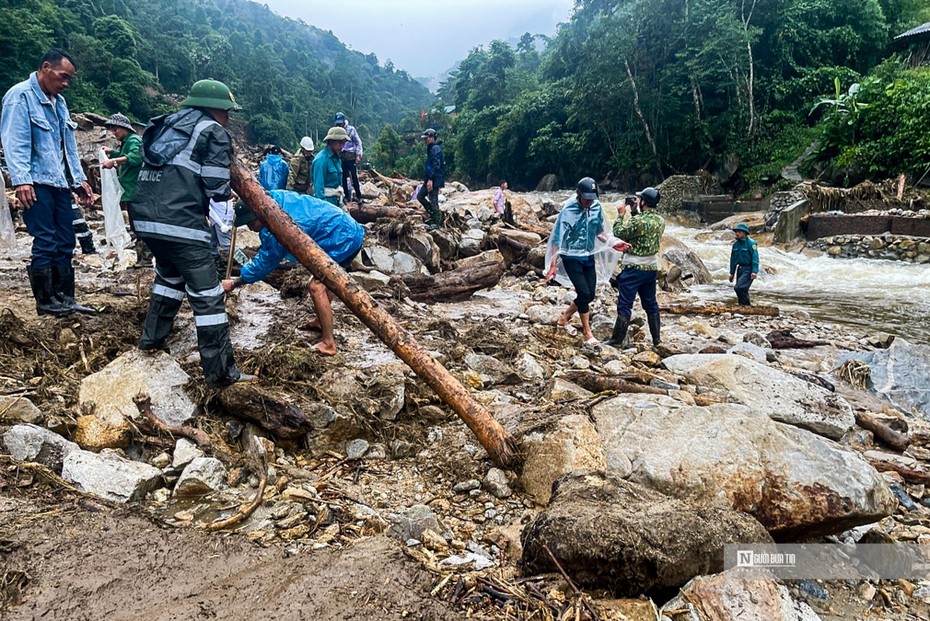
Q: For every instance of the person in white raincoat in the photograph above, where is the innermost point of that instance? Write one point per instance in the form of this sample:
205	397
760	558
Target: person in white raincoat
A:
581	240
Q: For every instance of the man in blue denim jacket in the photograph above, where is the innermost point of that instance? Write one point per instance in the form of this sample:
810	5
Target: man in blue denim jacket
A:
41	154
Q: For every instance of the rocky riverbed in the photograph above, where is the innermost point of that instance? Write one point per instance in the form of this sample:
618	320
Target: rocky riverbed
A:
640	464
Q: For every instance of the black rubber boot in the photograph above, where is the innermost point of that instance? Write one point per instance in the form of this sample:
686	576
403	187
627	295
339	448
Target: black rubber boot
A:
63	279
619	335
87	244
43	290
654	326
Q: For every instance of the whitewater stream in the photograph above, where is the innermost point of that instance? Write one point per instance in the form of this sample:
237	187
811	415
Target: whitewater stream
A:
873	295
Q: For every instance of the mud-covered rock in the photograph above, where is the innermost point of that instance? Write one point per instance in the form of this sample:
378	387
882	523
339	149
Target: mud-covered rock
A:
571	445
109	475
728	596
110	391
607	532
410	523
38	444
792	481
680	266
202	476
768	391
19	410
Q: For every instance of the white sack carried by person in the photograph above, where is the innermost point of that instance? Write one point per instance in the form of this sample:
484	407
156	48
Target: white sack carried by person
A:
114	225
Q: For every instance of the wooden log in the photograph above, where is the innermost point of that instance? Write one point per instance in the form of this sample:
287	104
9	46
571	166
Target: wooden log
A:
599	383
453	285
281	419
910	475
895	439
490	433
783	339
767	311
368	212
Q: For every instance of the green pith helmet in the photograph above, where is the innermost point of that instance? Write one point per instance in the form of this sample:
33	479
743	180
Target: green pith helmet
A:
244	215
741	227
336	134
211	94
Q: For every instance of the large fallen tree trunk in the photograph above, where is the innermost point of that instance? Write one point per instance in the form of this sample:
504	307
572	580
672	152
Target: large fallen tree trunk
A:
367	212
768	311
493	437
454	285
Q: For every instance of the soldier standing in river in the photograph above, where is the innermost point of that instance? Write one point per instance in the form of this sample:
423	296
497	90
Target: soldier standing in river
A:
744	262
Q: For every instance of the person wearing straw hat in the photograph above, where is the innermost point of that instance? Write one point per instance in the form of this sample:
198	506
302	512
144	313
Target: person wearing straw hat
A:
300	176
186	158
744	263
128	159
327	168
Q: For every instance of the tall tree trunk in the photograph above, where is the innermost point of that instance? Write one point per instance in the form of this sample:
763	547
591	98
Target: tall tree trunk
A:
750	78
492	436
642	119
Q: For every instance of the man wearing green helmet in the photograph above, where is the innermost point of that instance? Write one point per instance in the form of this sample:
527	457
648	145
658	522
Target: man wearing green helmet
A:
744	262
185	164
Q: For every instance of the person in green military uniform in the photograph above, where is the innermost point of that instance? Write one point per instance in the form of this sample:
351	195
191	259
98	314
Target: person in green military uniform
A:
642	227
300	176
744	263
128	159
327	168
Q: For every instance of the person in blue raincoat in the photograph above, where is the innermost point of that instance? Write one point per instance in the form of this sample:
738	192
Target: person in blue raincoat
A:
273	171
744	263
333	230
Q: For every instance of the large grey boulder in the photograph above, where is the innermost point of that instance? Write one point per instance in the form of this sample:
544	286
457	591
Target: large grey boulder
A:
681	266
109	475
899	374
728	596
797	484
569	445
607	532
390	261
201	476
767	391
38	444
110	391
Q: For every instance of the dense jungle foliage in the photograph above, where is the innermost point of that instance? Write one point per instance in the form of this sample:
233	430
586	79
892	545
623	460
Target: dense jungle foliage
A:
289	77
648	88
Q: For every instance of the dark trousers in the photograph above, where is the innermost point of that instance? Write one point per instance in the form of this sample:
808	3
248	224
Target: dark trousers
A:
50	221
743	282
631	282
583	275
182	268
349	169
429	200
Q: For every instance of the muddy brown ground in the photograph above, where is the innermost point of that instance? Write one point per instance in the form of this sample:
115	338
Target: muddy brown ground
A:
86	560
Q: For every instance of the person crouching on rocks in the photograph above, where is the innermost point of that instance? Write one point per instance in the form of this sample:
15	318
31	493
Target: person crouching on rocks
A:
744	262
642	227
333	230
574	240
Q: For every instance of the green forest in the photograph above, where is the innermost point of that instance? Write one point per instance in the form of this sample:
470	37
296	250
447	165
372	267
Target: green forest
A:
631	90
289	77
641	89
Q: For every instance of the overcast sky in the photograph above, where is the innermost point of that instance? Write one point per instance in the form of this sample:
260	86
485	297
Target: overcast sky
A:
425	37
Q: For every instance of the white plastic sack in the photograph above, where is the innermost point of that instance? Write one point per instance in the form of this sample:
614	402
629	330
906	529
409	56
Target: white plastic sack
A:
7	232
110	194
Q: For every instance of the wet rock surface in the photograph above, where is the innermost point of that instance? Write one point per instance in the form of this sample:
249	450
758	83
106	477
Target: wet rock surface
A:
795	483
611	532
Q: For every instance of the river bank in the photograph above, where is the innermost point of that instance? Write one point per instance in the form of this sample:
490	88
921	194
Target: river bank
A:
389	508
